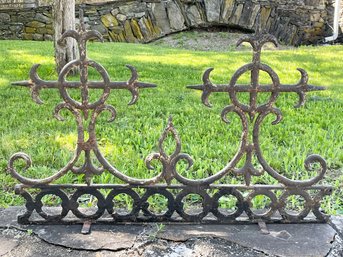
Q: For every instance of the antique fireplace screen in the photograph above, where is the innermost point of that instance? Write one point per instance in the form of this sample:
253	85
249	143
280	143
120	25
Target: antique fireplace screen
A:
169	183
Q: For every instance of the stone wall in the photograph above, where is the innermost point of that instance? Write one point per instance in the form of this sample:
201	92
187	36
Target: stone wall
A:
26	23
10	4
291	21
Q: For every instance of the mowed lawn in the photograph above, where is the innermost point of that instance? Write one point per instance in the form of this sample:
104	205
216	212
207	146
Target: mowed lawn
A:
315	128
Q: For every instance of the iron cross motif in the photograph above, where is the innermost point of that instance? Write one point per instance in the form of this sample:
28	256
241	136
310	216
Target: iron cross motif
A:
84	106
82	37
255	112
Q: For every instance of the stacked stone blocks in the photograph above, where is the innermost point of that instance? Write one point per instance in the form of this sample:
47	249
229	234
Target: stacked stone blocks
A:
293	22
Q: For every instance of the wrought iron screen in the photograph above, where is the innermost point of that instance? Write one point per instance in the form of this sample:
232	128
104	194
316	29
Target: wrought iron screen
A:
169	183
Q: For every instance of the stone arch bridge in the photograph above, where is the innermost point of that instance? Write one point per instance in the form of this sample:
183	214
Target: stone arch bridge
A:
293	22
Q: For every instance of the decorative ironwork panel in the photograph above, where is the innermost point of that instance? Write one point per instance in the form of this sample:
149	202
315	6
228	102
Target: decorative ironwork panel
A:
169	183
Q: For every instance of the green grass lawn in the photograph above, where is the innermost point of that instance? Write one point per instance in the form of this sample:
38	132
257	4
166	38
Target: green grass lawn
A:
315	128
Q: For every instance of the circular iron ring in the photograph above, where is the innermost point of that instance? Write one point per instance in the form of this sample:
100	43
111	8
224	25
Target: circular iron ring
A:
307	206
63	90
65	204
166	194
240	204
206	205
135	206
266	215
74	205
250	67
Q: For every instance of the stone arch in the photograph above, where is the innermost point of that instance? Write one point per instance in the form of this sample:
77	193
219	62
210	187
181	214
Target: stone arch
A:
293	22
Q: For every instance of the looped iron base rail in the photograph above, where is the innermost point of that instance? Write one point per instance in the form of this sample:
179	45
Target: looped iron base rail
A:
169	183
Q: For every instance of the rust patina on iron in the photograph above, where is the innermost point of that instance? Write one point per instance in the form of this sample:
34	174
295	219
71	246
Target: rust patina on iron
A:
169	182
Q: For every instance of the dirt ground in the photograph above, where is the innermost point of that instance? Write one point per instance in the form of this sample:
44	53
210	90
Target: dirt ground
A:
212	40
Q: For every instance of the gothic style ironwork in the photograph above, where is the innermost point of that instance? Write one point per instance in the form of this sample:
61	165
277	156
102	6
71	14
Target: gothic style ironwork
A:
169	183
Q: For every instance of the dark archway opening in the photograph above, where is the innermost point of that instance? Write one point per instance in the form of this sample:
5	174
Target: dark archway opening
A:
211	38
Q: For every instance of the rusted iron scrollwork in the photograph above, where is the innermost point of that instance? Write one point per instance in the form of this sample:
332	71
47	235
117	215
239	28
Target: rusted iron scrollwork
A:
169	183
